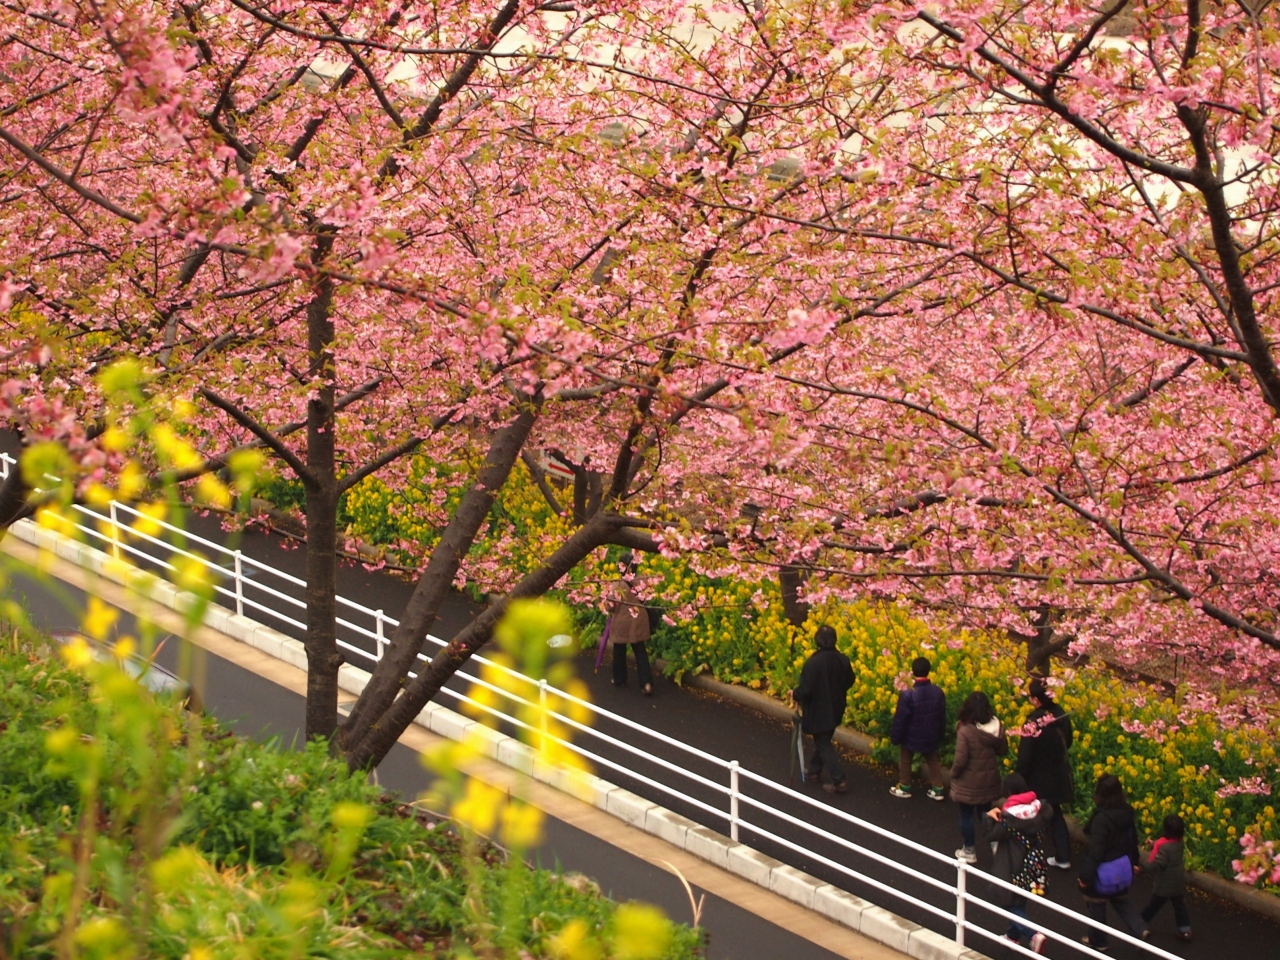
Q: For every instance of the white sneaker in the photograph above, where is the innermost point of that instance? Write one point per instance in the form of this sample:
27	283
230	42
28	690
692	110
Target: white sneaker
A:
1038	941
1061	865
967	854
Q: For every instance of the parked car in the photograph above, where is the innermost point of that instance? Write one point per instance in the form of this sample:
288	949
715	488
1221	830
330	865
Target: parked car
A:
150	674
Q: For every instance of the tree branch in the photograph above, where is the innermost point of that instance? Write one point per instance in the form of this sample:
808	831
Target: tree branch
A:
268	439
364	68
88	193
1049	99
540	478
395	453
457	80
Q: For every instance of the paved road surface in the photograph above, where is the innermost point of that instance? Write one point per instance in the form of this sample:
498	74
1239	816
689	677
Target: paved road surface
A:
732	732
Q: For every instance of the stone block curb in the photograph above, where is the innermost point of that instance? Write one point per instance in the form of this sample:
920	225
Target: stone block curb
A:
786	881
751	864
706	844
668	826
924	944
795	885
516	755
891	929
839	905
628	807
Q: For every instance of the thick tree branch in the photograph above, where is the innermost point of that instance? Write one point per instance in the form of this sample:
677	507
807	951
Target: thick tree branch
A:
364	68
436	580
1048	97
360	752
1257	344
457	80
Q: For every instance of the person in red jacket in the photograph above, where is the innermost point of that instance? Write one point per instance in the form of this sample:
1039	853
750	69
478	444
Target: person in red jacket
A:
919	724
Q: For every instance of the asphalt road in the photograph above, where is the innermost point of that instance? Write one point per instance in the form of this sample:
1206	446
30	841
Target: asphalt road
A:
732	732
258	708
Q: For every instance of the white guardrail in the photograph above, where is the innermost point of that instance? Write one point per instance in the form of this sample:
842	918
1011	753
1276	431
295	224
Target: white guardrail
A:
244	590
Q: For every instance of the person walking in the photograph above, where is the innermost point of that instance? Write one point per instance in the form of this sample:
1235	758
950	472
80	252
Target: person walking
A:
823	695
1165	864
1106	874
629	627
1044	763
975	773
1017	833
919	723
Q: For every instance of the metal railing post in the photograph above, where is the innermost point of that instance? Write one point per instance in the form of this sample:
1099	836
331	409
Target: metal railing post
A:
542	713
733	800
115	531
239	584
377	629
962	872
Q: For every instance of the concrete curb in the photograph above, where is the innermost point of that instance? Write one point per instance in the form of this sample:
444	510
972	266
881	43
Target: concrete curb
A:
1244	897
857	914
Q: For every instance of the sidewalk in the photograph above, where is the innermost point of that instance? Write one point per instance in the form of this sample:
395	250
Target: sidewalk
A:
760	744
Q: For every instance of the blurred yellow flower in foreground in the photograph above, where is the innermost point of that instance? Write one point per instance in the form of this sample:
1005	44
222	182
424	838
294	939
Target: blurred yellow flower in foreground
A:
574	942
98	619
478	808
641	932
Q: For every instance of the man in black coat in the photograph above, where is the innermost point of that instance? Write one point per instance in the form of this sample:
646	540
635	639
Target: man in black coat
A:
823	694
1043	763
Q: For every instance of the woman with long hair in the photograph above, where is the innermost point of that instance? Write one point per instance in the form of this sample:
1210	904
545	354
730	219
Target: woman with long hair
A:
975	773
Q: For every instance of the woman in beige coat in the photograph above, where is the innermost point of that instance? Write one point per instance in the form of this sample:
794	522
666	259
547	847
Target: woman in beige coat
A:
975	774
629	627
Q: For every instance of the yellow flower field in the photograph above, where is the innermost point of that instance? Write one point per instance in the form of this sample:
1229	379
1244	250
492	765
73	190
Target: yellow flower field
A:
1224	783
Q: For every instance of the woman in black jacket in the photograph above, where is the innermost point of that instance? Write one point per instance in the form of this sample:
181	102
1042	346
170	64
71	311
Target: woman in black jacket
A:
1108	868
823	696
1044	764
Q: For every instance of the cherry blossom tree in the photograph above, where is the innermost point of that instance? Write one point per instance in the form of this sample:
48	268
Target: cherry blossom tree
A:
358	232
967	307
1068	430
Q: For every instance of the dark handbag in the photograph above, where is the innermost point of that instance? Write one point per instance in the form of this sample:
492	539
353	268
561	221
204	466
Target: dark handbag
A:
655	617
1114	877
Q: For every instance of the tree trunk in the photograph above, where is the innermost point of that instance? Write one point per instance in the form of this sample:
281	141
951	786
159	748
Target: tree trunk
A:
1044	643
382	736
791	578
323	659
436	581
321	485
